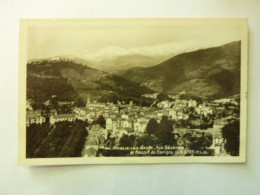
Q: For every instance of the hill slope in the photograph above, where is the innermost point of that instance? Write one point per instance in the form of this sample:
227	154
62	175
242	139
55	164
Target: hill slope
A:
69	80
213	72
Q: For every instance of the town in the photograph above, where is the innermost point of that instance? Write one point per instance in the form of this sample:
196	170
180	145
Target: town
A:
123	128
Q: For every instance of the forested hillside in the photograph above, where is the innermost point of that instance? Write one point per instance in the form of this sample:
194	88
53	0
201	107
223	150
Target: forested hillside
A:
68	80
210	73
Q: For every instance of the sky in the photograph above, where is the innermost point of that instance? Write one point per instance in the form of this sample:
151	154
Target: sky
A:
100	39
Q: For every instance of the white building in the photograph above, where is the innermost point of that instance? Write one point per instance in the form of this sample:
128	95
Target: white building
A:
173	114
33	118
62	117
192	103
109	124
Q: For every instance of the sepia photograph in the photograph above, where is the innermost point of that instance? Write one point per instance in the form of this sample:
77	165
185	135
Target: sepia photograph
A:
132	91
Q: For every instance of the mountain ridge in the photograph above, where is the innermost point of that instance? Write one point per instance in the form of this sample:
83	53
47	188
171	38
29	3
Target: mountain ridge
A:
216	68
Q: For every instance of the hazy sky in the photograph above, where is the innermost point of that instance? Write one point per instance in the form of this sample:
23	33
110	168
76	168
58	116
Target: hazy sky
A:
107	38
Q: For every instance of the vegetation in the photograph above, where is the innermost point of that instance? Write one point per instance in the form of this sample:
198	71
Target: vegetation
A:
231	133
42	89
209	73
69	80
75	143
122	86
147	140
165	132
100	121
162	131
64	139
199	143
53	68
152	126
127	141
35	134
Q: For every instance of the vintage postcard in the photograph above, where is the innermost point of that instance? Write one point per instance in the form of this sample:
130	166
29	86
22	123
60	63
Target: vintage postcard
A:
132	91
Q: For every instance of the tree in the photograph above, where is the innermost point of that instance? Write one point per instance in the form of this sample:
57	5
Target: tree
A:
165	132
152	126
231	132
202	142
147	140
127	141
100	121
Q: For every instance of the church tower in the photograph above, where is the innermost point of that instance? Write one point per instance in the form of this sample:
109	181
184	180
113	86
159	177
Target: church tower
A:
88	101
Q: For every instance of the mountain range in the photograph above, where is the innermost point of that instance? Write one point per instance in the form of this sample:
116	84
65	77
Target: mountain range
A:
208	73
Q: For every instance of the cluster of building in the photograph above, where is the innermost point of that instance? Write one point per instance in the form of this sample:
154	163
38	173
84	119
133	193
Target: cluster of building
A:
129	118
